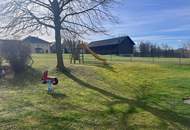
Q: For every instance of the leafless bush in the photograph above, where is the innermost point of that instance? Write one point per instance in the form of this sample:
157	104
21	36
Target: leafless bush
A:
17	54
1	60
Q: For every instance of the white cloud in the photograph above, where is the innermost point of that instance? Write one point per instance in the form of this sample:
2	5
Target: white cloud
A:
160	38
177	29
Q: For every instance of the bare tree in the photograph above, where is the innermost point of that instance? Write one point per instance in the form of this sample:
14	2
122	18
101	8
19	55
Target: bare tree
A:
186	46
65	17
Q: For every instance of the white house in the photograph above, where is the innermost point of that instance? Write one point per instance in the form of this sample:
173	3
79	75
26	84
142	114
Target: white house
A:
37	45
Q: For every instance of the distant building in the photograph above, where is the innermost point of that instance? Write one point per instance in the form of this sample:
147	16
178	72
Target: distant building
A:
53	47
118	46
37	45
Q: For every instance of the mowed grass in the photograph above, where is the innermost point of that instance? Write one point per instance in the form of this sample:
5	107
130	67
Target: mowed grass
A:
122	96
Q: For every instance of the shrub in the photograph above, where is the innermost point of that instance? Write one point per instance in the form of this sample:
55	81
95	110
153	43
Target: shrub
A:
1	61
17	54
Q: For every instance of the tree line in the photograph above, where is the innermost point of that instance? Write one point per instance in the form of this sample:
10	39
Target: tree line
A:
148	49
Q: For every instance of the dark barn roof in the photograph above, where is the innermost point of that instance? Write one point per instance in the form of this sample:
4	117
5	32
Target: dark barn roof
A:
31	39
113	41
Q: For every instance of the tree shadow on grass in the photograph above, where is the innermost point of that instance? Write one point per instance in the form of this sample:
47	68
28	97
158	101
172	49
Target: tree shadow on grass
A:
164	114
58	95
73	121
107	67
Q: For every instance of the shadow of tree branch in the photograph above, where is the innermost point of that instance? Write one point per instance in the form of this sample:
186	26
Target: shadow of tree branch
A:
164	114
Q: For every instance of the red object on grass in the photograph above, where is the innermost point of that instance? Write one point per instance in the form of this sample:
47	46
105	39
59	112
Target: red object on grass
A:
46	78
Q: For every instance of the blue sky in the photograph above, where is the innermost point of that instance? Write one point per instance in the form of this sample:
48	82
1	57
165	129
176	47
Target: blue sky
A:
158	21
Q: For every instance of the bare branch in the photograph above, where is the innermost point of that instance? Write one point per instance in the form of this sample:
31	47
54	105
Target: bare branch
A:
74	16
83	11
39	20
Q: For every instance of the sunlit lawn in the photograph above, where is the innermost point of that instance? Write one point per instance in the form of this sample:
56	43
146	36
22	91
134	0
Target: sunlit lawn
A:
124	95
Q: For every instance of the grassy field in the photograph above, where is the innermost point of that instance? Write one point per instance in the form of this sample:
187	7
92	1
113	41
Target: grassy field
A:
122	96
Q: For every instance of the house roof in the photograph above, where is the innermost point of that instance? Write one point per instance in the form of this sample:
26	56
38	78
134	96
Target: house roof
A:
113	41
35	40
7	40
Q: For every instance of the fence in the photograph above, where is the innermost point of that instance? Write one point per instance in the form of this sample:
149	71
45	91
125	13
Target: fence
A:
88	58
154	60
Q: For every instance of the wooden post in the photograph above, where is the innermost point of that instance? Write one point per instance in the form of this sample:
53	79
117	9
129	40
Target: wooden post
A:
71	58
153	59
158	59
82	55
180	59
131	57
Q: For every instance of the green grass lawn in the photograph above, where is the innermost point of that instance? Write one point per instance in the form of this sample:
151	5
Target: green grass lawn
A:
122	96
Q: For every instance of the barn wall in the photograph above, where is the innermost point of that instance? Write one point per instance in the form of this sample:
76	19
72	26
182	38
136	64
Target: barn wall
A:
105	50
126	47
45	47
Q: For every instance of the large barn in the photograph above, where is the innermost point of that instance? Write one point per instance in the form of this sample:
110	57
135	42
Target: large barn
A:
118	46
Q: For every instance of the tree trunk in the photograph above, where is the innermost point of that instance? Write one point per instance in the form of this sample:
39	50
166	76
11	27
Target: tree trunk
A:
59	51
57	23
